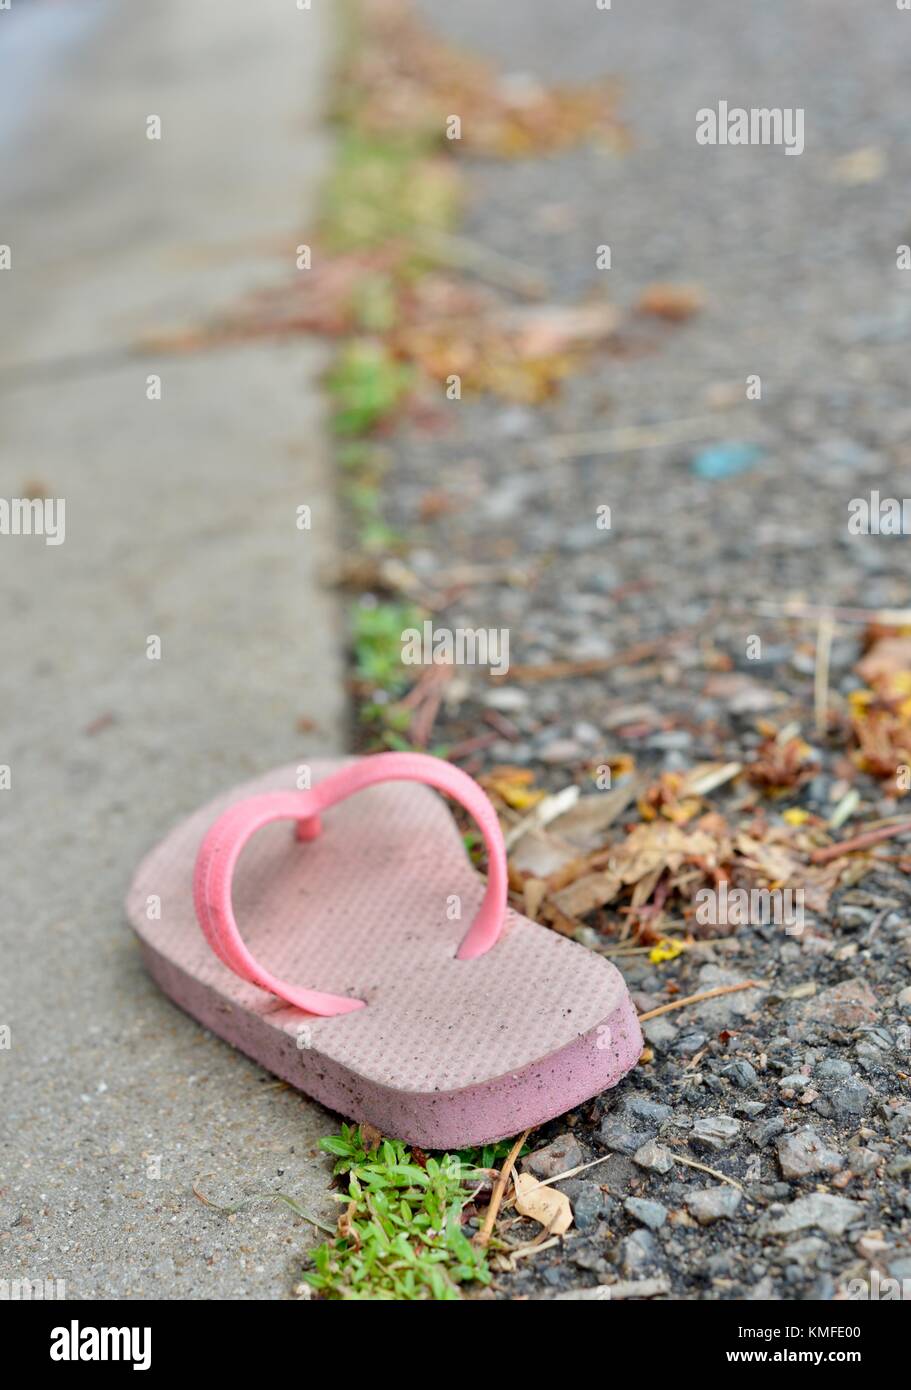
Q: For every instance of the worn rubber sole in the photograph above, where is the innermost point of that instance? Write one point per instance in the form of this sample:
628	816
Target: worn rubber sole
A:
447	1052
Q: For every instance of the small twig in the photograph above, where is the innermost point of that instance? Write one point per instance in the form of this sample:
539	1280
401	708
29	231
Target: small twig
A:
521	1252
703	994
628	437
569	1173
865	841
472	745
637	1288
424	700
624	950
704	1168
499	270
559	670
824	635
845	809
886	617
505	727
496	1197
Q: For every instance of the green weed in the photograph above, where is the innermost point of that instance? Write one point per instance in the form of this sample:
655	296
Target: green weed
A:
401	1236
367	384
378	643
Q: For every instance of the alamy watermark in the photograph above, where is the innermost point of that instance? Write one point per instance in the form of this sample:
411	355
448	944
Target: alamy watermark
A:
78	1343
460	646
743	907
878	1288
34	516
879	516
31	1290
760	125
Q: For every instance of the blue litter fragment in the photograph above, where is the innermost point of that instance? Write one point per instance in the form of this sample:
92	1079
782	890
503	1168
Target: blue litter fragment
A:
725	461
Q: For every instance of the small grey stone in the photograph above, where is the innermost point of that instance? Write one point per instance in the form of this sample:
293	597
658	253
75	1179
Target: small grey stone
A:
642	1108
509	699
829	1213
845	1100
639	1253
846	1005
851	916
671	740
589	1205
659	1031
561	750
622	1138
651	1214
741	1073
617	1173
899	1124
561	1153
655	1157
714	1132
795	1081
804	1152
834	1068
587	1258
878	1036
721	1011
710	1204
584	732
748	1107
806	1252
863	1160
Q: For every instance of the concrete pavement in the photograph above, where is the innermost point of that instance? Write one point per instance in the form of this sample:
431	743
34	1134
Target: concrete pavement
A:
180	523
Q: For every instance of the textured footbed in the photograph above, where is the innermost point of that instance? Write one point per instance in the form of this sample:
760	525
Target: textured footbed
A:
447	1052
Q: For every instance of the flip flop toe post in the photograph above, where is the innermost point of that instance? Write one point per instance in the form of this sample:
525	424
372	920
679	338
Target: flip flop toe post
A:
376	970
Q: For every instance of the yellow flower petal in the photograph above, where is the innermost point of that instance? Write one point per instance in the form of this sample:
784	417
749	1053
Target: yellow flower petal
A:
667	949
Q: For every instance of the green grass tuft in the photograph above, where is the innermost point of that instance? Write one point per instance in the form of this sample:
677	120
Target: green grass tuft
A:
378	643
366	384
401	1237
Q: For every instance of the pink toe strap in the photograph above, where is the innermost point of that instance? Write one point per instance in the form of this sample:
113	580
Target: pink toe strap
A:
221	847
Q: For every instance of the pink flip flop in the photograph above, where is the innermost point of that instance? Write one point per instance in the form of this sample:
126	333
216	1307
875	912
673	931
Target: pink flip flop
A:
434	1033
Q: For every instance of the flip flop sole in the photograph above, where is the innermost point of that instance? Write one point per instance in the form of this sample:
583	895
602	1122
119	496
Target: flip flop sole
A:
447	1052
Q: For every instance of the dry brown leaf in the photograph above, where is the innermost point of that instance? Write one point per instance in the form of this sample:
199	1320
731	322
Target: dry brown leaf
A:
584	825
587	893
665	845
884	743
534	890
672	302
551	329
781	766
887	657
407	78
347	1230
543	1204
780	861
371	1137
541	854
